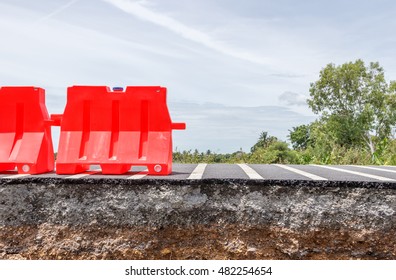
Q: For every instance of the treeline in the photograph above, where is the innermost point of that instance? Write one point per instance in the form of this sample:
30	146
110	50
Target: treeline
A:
356	110
280	152
268	149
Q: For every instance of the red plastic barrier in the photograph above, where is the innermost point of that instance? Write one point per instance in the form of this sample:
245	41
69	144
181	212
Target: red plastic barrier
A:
25	131
116	130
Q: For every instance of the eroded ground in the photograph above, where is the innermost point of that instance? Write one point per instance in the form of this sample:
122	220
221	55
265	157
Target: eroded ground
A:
208	219
198	242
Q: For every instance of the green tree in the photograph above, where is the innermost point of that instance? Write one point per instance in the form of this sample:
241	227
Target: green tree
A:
299	136
276	152
264	141
356	104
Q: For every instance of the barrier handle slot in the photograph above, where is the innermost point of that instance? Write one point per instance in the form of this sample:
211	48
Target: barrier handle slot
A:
56	119
179	126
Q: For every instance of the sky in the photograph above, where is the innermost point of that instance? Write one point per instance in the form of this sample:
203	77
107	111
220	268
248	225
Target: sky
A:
232	68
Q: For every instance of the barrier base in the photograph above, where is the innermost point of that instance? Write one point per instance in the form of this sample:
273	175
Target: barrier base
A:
115	168
71	168
25	168
7	167
112	169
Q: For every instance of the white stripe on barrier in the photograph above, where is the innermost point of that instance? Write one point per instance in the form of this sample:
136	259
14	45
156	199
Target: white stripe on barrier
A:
303	173
198	172
250	172
380	178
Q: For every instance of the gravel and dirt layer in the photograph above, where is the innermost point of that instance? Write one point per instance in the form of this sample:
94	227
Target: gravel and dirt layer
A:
51	218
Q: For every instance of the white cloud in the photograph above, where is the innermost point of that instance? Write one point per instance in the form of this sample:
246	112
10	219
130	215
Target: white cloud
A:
58	10
293	98
138	9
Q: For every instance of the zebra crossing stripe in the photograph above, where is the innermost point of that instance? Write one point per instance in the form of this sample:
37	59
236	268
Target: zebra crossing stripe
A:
198	172
15	176
380	178
250	172
303	173
139	175
374	168
81	175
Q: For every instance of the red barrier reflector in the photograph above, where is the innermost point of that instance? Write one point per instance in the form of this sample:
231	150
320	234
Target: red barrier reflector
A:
25	131
116	130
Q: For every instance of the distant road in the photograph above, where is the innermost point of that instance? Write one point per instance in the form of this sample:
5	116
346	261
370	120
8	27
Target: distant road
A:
245	171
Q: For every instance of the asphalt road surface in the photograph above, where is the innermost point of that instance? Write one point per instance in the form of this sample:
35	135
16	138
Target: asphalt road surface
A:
243	171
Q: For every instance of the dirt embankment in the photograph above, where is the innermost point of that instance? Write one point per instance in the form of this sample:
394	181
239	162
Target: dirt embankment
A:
209	219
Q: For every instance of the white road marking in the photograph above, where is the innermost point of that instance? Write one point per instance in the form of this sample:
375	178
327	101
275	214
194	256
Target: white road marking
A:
250	171
15	176
198	172
139	175
303	173
380	178
374	168
81	175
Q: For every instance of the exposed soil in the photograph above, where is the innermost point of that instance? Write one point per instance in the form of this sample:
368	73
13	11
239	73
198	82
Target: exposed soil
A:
198	242
48	218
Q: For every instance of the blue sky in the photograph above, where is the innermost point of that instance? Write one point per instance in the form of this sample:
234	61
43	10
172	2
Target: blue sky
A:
232	68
